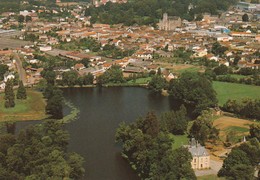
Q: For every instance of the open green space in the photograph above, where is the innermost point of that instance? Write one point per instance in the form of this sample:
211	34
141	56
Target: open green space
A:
139	81
190	69
33	108
237	76
179	140
235	91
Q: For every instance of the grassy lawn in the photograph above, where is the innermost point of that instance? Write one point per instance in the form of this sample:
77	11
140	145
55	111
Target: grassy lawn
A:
190	69
235	91
179	140
140	81
33	108
210	177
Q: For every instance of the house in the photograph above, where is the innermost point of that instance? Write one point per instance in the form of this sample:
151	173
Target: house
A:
8	76
200	156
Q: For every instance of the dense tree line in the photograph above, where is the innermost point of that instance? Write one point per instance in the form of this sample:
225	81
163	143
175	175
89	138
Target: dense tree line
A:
193	89
175	122
39	152
3	69
203	130
150	11
21	91
240	163
9	94
112	75
52	93
149	150
248	108
157	83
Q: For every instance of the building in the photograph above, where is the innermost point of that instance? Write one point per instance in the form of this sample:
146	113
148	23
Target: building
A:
201	158
97	3
246	6
169	23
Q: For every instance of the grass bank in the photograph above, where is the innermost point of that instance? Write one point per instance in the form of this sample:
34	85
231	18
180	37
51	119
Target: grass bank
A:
33	108
235	91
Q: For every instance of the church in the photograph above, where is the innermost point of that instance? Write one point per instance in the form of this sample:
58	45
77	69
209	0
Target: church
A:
169	23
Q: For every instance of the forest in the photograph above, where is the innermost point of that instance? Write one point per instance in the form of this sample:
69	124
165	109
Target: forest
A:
148	12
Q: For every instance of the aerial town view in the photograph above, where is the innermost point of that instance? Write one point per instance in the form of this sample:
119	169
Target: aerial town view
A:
129	89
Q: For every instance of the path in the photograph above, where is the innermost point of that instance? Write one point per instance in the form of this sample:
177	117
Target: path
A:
215	167
20	69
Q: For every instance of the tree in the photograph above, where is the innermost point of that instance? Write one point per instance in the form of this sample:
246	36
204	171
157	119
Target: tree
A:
3	69
39	152
193	89
157	84
112	75
221	70
218	49
245	18
234	158
149	150
21	91
20	18
54	104
176	121
28	18
9	94
85	62
202	128
70	78
255	131
88	79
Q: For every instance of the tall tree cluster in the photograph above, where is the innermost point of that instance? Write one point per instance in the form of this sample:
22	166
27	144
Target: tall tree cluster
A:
39	152
242	160
21	91
149	150
203	130
9	94
53	94
145	12
195	90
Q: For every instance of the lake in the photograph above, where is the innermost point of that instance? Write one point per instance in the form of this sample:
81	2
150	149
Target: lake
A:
93	134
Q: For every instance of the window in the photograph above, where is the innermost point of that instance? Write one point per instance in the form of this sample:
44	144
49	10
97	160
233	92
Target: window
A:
201	165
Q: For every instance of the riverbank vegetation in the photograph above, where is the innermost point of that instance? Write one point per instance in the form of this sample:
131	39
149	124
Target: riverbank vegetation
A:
149	150
195	90
39	152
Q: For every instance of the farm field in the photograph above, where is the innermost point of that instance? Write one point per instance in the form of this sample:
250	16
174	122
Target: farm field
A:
235	91
33	108
7	42
240	127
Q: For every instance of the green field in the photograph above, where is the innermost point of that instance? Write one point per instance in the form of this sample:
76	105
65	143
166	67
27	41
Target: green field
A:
190	69
140	81
237	76
33	108
179	140
235	91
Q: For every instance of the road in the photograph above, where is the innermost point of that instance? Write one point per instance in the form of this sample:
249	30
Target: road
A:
20	69
215	166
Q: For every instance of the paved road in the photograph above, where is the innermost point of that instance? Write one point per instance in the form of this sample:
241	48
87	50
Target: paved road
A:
215	167
20	69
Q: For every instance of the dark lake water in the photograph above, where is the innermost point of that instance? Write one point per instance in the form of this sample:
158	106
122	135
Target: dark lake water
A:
93	134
